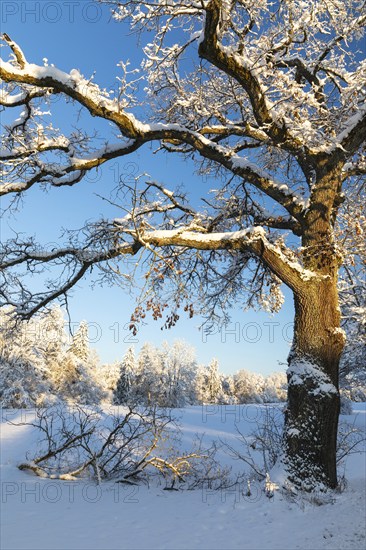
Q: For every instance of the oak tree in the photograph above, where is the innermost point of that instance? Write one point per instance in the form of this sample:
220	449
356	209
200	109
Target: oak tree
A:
268	98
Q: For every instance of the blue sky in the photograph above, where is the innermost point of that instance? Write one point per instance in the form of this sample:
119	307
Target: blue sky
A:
82	35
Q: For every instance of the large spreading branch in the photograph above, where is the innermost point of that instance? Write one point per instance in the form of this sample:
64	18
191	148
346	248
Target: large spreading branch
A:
89	96
80	261
253	239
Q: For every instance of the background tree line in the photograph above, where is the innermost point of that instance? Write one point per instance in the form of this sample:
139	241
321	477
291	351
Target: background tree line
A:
41	363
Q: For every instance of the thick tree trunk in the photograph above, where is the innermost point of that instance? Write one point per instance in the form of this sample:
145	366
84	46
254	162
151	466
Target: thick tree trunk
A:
313	393
313	396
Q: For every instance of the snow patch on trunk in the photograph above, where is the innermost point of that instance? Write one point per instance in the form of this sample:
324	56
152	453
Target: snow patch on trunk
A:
302	371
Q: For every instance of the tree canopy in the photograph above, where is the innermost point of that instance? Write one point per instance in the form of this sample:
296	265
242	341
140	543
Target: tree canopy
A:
268	96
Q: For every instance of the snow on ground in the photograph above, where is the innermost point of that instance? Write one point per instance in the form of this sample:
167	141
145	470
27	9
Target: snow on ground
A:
48	514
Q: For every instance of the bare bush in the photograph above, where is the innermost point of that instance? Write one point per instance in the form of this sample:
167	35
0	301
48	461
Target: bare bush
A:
209	473
351	439
128	446
263	447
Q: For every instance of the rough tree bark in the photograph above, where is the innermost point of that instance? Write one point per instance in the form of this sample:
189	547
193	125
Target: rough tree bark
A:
313	391
313	396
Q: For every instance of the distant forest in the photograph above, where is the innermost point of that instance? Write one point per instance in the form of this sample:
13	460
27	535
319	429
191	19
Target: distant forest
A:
40	364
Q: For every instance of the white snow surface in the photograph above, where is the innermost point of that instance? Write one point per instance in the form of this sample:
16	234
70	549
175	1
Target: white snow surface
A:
49	514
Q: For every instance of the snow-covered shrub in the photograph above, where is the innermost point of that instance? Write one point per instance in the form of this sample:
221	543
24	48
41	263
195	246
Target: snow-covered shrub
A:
205	471
351	439
85	441
262	449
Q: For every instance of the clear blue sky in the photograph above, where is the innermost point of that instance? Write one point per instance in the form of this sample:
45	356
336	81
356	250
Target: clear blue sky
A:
82	34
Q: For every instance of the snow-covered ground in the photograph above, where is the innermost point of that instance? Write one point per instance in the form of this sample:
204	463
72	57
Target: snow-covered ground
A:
49	514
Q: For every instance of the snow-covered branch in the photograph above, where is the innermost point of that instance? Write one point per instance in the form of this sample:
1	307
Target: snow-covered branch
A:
238	66
120	242
59	144
254	239
56	174
7	99
75	86
18	53
91	97
354	133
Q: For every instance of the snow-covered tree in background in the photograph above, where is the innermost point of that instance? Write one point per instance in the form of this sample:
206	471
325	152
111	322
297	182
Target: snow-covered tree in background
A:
24	374
23	384
228	390
38	366
126	381
179	367
80	343
275	387
267	98
147	386
214	387
209	386
79	381
17	339
109	376
78	374
50	335
249	387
